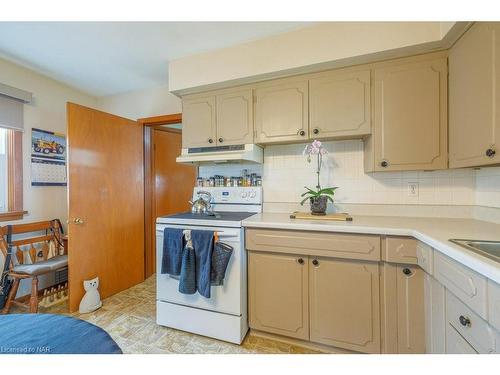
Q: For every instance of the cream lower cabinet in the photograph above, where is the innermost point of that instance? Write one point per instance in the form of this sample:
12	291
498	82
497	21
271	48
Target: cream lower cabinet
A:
435	316
344	304
403	319
279	294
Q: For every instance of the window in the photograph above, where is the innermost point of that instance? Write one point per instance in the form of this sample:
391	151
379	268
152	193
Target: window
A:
12	102
11	181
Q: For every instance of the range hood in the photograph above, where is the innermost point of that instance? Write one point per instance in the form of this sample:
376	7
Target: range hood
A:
248	153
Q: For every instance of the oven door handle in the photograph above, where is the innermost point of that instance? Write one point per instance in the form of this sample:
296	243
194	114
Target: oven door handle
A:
228	234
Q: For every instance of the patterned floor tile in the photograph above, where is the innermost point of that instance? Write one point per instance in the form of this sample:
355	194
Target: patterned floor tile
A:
130	318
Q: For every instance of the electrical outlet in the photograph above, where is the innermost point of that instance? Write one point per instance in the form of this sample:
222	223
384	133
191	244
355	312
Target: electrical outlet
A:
413	189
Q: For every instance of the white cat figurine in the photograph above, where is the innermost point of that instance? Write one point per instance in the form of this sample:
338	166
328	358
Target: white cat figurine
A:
91	301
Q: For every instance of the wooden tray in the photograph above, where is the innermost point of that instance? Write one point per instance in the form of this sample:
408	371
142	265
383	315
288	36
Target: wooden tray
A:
332	217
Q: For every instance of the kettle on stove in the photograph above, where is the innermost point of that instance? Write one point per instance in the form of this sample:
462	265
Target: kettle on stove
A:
202	206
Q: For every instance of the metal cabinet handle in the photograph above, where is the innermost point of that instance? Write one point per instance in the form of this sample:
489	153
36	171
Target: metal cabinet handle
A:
221	140
384	163
407	271
315	131
490	152
301	132
300	261
210	140
78	221
465	321
315	262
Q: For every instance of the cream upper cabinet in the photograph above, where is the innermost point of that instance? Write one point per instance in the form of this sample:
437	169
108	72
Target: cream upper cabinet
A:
278	294
281	112
198	121
410	115
235	117
345	303
339	104
474	65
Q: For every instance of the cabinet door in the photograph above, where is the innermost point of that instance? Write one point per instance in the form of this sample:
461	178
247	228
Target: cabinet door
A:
456	344
411	319
340	105
281	112
435	316
235	118
410	115
198	122
474	93
345	304
278	294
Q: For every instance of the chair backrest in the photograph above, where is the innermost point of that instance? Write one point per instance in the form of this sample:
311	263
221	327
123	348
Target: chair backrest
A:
35	238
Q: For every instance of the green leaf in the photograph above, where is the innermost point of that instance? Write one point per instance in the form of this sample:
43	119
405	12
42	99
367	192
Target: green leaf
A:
304	200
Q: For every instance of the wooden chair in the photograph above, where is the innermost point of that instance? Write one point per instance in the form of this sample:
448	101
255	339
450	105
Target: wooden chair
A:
45	234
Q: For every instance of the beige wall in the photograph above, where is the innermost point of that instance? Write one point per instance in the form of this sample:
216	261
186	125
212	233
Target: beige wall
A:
142	103
48	112
319	46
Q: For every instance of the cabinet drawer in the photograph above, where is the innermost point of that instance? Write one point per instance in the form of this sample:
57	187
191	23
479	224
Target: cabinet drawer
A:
425	257
400	250
474	329
456	344
350	246
466	284
494	304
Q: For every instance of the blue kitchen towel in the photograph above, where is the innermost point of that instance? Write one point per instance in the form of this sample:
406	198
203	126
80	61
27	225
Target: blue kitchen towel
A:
172	251
187	279
203	241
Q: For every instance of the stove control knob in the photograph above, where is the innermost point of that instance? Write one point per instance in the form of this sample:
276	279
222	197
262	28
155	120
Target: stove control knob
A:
252	194
243	194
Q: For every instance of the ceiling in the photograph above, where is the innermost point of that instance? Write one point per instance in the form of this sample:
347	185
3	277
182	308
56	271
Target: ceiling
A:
106	58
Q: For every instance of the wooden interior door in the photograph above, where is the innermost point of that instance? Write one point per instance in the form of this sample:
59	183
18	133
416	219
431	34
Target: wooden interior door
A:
171	184
106	202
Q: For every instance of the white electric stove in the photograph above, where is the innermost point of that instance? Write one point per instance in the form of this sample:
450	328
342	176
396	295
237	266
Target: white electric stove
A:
224	315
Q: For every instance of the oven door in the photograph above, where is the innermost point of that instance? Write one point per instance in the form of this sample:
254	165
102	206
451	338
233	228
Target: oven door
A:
228	298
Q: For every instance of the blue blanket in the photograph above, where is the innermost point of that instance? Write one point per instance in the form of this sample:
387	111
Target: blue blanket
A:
52	334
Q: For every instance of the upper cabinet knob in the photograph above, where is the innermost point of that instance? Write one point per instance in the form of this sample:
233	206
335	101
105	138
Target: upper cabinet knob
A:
315	131
210	140
315	262
490	152
384	163
300	261
302	133
221	140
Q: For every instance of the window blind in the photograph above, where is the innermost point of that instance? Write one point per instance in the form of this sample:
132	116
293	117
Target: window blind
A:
11	113
11	106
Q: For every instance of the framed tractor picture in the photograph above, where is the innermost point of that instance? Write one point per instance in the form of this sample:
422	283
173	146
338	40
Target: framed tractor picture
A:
48	158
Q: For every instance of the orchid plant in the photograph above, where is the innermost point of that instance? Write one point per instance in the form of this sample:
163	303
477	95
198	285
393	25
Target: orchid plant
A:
316	149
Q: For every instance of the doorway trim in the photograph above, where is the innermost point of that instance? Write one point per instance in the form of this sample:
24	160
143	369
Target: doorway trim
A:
149	124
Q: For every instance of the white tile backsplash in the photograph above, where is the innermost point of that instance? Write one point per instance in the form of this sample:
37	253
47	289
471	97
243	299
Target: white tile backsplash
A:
286	171
488	187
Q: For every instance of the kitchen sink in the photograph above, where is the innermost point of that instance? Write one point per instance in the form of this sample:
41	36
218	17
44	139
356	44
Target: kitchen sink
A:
490	249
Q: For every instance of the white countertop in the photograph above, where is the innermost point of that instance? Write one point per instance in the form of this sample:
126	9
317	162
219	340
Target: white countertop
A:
435	232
